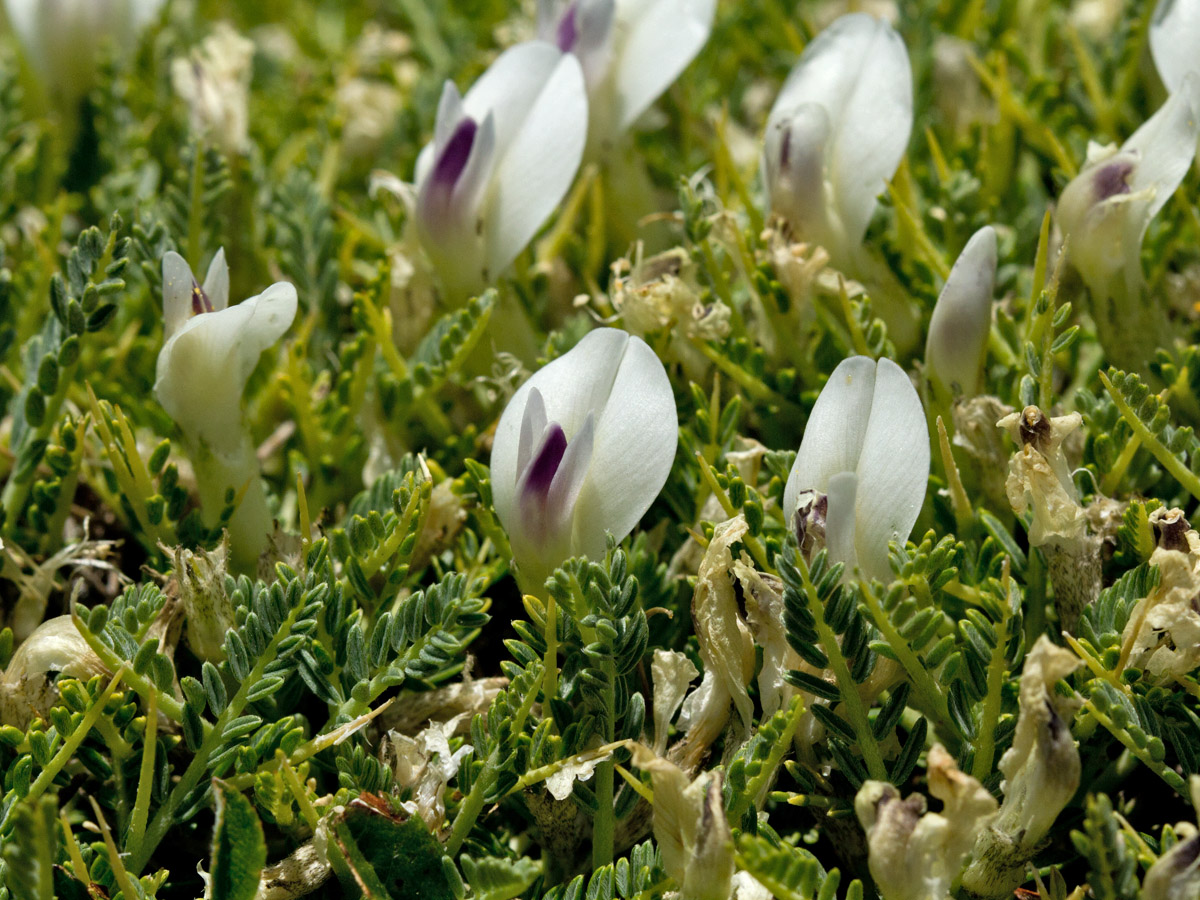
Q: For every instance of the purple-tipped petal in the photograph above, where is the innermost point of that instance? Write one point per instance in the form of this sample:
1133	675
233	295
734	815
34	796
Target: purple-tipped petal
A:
567	32
533	426
453	158
1112	178
540	474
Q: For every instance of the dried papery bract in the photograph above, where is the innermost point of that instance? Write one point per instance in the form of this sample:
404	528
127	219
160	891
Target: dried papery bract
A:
914	854
628	60
837	132
1041	773
690	828
27	684
866	448
1176	874
501	159
210	350
958	329
581	451
1104	213
63	38
1039	481
1162	635
214	82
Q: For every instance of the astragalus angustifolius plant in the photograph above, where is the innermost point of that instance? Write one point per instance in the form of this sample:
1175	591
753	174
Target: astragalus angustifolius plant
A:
599	449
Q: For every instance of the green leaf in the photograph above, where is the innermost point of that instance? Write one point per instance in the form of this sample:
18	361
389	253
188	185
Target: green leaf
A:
492	878
390	857
238	849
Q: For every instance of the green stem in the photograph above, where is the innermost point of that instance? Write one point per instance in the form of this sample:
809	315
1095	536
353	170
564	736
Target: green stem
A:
604	825
1166	458
164	819
472	805
855	711
195	224
932	700
985	746
72	743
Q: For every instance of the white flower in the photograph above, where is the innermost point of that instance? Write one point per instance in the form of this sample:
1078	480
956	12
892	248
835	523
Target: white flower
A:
1105	210
62	38
215	82
1039	476
866	446
631	51
1174	37
582	449
838	131
958	330
501	159
209	351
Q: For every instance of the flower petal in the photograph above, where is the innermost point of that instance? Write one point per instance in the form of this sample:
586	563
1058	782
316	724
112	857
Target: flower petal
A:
538	153
177	292
840	521
858	70
570	387
1166	144
660	38
203	368
572	471
216	282
1174	37
893	470
962	318
833	437
794	155
636	437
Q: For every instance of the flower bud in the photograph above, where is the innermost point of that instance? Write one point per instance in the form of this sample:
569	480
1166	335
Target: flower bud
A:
581	450
838	131
866	447
958	330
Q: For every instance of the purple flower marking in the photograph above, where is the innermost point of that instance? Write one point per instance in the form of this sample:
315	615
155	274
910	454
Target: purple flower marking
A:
568	29
454	156
1111	179
544	466
200	301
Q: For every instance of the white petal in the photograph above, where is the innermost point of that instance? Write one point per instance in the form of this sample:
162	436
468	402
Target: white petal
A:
1166	144
794	154
449	113
533	423
636	437
537	155
655	42
216	282
1174	39
203	368
577	383
840	521
572	471
893	470
958	328
858	70
833	437
177	292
